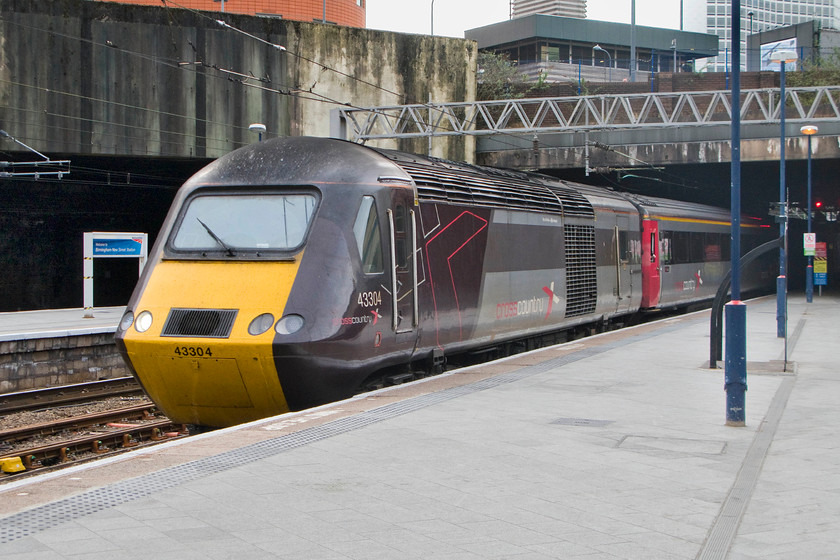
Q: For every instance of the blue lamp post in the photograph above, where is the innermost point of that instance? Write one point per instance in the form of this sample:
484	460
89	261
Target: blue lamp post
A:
783	58
809	130
735	374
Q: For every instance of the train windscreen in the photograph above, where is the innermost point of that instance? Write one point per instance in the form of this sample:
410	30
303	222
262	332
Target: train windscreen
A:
235	223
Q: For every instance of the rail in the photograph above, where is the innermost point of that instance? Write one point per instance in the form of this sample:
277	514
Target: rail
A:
584	113
66	394
59	454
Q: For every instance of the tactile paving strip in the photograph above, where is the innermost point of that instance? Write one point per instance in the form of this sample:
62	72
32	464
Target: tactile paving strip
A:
50	515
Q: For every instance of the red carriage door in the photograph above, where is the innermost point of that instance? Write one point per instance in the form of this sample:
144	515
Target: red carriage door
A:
651	281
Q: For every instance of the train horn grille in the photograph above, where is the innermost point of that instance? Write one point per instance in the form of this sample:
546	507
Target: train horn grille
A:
206	323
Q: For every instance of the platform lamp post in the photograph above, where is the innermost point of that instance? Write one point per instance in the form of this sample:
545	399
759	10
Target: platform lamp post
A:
674	48
632	40
609	58
809	130
735	372
432	33
783	58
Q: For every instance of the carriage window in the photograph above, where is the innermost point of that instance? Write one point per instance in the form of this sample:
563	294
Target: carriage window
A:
665	247
368	238
631	249
698	244
679	247
713	247
249	223
635	250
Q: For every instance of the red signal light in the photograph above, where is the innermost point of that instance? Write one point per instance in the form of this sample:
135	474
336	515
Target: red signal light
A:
818	204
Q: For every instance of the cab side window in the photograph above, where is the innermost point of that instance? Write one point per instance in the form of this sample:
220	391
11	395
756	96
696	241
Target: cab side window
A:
399	237
368	237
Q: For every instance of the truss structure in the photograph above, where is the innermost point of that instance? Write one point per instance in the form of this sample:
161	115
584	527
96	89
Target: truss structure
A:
588	113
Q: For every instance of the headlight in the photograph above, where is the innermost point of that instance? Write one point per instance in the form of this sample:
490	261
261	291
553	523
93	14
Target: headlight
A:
261	323
289	324
143	321
126	320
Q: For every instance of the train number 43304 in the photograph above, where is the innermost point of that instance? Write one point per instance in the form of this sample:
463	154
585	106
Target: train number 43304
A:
193	351
370	299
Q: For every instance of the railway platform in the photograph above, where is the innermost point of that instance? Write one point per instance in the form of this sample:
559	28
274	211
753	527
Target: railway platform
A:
51	323
54	347
614	446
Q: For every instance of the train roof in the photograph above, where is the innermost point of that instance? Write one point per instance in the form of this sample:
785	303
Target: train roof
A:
312	160
301	160
439	180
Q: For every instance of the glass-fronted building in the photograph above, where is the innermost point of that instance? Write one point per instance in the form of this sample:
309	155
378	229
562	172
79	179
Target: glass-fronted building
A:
560	48
760	16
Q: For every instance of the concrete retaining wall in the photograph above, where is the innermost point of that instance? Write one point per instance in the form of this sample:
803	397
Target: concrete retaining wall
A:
50	362
81	77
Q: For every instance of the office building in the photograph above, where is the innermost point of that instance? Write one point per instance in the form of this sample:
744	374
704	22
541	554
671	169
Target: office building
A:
560	48
562	8
758	16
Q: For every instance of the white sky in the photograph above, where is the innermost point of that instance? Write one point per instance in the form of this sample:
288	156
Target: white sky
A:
453	17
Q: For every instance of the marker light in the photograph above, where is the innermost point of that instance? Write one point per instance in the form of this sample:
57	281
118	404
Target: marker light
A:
261	323
289	324
126	320
143	321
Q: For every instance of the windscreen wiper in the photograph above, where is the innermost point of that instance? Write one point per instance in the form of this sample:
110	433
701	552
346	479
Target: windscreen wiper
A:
217	239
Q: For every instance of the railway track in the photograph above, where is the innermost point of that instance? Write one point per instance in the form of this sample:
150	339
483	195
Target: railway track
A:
140	411
68	394
51	429
93	445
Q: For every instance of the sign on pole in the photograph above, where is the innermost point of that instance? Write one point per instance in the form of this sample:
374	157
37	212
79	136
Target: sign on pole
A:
820	265
809	242
112	245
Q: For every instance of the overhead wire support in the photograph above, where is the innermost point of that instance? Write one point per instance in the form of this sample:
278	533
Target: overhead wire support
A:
50	164
269	43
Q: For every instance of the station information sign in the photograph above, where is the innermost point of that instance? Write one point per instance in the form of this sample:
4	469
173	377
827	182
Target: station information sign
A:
109	244
820	265
120	247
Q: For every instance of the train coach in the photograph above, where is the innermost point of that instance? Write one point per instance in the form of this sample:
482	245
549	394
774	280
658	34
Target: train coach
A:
296	271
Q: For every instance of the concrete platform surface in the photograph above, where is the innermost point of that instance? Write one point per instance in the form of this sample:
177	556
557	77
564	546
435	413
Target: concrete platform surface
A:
609	447
50	323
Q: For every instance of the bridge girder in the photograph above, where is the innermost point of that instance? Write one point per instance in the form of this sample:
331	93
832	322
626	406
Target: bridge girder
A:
603	130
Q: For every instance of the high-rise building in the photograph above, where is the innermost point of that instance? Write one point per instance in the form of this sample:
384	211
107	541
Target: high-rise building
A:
762	15
563	8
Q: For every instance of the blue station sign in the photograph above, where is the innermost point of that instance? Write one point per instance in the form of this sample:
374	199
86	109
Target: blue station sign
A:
118	247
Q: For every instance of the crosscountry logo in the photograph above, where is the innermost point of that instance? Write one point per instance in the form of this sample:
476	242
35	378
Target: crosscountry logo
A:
552	298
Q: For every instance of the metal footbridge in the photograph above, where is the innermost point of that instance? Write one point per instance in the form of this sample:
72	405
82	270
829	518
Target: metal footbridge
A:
677	122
